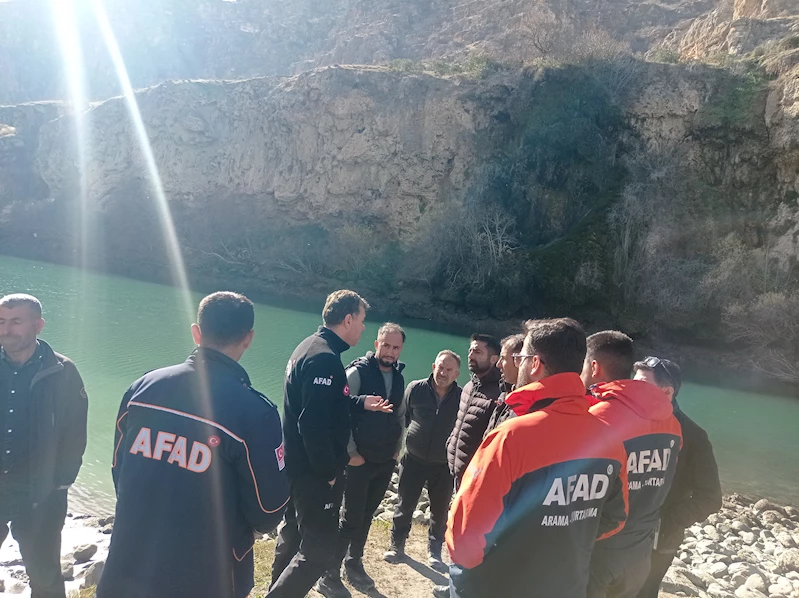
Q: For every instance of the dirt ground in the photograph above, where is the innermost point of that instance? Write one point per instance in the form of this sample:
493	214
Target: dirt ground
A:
409	579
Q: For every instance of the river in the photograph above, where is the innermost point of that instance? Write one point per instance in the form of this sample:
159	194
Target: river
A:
116	329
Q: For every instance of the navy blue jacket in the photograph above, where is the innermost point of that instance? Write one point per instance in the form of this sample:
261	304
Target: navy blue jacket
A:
198	460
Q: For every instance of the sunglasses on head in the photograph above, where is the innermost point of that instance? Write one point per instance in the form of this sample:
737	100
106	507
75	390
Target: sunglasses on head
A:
654	363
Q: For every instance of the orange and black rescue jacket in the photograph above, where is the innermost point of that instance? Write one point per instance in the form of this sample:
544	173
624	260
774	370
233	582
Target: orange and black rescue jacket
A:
642	417
540	489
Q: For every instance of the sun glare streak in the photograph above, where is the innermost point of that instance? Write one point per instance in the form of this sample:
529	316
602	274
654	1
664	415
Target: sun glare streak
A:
165	216
65	22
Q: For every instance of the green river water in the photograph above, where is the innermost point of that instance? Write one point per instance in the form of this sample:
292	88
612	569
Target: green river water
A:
116	329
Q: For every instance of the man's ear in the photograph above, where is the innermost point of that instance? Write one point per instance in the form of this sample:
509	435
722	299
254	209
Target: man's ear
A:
39	326
248	340
596	369
494	360
196	334
670	392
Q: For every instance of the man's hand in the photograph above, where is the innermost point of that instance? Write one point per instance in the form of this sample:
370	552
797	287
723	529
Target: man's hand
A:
374	403
332	482
396	455
356	460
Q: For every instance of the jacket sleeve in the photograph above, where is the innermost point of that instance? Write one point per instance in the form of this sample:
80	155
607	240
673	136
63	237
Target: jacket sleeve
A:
354	383
705	496
401	414
119	438
263	488
319	401
479	502
617	506
72	436
409	403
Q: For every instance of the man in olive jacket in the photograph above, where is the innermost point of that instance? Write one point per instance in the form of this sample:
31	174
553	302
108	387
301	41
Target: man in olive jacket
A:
42	403
695	491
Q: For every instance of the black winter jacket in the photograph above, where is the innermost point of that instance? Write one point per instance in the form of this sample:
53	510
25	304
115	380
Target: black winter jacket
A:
316	402
197	468
58	424
478	401
696	490
430	423
377	434
502	412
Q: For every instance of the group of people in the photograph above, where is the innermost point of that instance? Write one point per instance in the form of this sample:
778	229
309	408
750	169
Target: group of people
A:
574	470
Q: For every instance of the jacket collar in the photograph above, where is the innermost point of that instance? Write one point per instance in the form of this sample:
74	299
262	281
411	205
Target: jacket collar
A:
540	394
644	399
334	340
432	384
493	375
214	357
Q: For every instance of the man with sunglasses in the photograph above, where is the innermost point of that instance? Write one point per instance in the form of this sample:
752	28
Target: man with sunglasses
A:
641	416
696	490
542	486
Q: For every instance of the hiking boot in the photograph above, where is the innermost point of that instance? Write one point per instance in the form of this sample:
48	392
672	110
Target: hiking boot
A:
441	591
330	586
395	552
357	576
435	562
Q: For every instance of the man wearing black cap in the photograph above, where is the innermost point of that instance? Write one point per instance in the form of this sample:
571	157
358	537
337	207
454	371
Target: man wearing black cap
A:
696	490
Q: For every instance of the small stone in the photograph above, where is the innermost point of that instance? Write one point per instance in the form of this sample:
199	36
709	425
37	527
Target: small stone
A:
783	586
755	582
83	553
714	590
711	533
792	512
718	570
67	571
786	540
789	560
93	574
107	530
744	592
766	505
771	517
418	516
105	521
748	538
2	585
739	526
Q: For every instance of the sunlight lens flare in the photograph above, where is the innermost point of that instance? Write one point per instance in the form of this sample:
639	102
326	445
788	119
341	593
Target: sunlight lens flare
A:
162	203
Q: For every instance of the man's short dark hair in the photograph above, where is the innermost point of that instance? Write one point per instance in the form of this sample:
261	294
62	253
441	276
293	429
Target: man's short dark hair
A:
390	327
20	299
514	343
225	318
491	342
614	351
341	304
667	372
559	343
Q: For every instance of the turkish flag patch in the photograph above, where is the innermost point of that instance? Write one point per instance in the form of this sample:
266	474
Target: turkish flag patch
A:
346	390
281	457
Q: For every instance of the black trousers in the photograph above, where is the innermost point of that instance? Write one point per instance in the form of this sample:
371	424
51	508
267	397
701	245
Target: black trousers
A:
366	487
38	533
307	538
413	475
619	573
660	563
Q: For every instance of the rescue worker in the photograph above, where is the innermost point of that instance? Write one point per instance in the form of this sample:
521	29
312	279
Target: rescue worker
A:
510	373
317	403
642	417
198	468
373	450
432	407
43	407
543	486
696	490
478	401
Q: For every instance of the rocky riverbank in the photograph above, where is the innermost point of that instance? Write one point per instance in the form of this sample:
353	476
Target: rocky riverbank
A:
747	550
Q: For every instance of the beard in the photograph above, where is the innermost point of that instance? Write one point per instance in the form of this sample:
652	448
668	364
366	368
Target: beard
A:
386	363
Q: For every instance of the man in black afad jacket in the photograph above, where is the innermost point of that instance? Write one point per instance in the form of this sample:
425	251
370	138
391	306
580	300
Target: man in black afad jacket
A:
478	401
374	448
43	407
198	468
696	490
317	403
431	410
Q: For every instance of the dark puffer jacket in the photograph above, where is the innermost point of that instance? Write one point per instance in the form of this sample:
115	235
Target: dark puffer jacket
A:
478	401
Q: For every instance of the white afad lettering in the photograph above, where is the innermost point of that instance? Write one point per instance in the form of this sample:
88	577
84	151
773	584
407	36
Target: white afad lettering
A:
166	443
648	460
578	487
323	381
200	457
